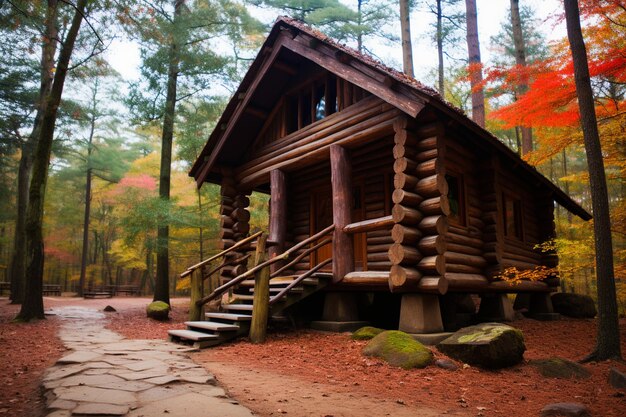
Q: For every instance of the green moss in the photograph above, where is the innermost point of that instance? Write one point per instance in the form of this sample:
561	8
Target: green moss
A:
399	349
158	310
366	333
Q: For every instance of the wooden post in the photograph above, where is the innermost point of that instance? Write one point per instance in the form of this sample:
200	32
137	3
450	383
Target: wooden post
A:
278	214
197	287
261	302
343	247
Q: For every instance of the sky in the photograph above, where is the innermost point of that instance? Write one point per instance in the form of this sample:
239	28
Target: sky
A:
124	55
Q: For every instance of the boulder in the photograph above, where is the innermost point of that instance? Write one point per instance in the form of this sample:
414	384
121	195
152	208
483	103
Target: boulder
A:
574	305
399	349
617	378
565	409
109	309
446	364
488	345
158	310
366	333
560	368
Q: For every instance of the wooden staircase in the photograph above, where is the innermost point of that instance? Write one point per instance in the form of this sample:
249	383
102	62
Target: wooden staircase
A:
237	316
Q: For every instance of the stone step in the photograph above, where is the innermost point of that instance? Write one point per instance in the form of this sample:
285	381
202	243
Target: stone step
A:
211	325
228	316
238	307
192	335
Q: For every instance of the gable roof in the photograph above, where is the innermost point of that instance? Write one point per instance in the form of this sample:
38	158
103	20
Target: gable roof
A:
291	40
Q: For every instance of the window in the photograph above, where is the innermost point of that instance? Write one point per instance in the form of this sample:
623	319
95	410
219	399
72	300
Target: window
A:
320	103
512	213
456	198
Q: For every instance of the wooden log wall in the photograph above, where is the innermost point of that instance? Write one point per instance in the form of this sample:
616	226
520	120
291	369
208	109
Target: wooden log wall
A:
465	261
537	222
419	207
234	223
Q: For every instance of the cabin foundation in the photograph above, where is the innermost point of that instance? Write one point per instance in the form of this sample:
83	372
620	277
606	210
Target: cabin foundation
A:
420	313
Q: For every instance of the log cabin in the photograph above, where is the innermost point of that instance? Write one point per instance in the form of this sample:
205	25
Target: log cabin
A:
424	206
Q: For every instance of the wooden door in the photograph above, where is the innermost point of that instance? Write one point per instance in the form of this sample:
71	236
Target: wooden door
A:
322	217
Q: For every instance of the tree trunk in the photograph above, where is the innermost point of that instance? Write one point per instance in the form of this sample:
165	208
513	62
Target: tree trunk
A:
18	258
520	60
85	253
440	49
161	286
32	307
359	38
608	343
475	65
407	48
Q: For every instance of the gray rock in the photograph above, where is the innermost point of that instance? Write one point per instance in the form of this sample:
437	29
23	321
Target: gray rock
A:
446	364
399	349
488	345
617	378
574	305
560	368
565	409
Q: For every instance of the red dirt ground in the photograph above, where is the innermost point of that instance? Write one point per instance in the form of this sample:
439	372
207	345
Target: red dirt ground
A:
306	373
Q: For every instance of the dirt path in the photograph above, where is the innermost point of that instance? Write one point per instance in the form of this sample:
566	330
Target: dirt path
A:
272	394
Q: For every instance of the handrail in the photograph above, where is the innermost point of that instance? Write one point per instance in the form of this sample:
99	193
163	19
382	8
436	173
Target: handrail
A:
299	257
369	225
298	280
285	255
222	253
227	263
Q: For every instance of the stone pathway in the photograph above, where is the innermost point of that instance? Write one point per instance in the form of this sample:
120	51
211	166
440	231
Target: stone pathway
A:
107	375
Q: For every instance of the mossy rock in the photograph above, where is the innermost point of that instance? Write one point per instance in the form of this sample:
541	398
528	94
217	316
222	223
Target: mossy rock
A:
399	349
574	305
488	345
366	333
560	368
158	310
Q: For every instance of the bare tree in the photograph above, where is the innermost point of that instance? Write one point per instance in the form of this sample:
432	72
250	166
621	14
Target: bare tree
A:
407	48
475	65
520	60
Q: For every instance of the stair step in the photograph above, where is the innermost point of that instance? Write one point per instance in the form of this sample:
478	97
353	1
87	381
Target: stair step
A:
277	290
228	316
324	275
192	335
243	297
211	325
238	307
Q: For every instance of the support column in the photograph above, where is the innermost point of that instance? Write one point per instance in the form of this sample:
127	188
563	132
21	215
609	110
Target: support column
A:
278	214
420	313
343	247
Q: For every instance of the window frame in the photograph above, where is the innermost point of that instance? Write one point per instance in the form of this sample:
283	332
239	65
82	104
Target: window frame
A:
461	219
518	216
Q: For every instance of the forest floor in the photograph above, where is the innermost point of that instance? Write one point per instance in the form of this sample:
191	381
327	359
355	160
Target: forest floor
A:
309	373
